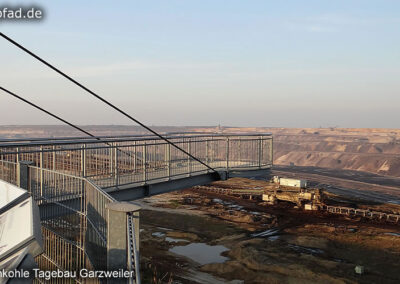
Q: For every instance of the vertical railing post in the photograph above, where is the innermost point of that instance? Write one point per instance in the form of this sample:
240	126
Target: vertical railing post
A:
54	157
83	160
129	154
259	151
168	160
144	161
272	150
116	171
96	159
17	155
240	151
2	167
135	157
111	164
54	165
83	165
189	160
227	154
207	150
119	247
41	171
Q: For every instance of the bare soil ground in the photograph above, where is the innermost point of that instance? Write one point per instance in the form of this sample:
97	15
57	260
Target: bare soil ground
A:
361	186
269	244
362	149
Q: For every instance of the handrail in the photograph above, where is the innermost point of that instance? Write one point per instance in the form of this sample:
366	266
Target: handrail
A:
149	159
91	148
90	140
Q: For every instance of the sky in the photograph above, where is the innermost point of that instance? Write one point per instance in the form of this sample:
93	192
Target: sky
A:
208	62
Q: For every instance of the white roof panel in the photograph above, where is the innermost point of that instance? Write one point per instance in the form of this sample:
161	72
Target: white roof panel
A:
16	227
9	193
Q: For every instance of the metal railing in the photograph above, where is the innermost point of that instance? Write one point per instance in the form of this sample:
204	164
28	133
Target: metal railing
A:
141	159
75	209
8	171
74	219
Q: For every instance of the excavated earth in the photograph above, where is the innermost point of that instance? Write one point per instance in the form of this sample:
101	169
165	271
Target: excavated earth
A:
362	149
247	241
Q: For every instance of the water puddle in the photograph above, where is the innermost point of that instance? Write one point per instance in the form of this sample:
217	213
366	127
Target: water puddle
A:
175	240
202	253
158	234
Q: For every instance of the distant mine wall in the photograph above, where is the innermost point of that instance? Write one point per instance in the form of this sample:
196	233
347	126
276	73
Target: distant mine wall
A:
364	149
379	158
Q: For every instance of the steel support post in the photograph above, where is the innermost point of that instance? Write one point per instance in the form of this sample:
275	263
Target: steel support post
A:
23	175
119	238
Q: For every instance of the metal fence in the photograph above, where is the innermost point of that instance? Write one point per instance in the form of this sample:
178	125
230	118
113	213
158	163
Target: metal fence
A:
74	219
8	171
129	160
74	209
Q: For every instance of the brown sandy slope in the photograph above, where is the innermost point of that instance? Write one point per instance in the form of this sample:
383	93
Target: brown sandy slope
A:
368	150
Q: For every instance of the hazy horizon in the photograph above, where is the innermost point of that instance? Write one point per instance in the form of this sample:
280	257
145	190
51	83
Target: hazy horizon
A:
186	126
298	64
